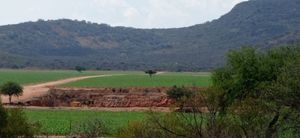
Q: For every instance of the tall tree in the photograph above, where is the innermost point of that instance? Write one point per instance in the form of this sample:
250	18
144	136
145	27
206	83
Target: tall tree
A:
11	89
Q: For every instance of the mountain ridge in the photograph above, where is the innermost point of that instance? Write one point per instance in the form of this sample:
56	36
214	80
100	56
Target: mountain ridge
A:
63	44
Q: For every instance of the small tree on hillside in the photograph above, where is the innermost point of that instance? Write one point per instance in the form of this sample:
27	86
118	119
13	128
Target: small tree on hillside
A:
11	89
150	72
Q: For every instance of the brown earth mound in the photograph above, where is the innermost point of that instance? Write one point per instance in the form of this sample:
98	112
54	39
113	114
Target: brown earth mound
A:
104	97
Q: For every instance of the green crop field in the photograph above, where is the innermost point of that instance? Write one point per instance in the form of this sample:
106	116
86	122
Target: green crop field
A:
38	76
121	78
167	79
60	122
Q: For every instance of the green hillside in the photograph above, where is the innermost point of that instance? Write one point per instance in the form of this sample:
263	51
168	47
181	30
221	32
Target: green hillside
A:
63	44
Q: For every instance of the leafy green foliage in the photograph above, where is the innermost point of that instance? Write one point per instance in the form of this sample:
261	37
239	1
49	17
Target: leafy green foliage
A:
18	125
178	93
15	124
11	89
3	118
262	88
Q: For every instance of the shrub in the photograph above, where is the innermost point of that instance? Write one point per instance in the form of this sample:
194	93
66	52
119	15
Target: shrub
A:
177	93
3	119
18	125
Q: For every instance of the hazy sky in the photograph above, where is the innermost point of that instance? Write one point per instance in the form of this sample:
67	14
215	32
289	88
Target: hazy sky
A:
133	13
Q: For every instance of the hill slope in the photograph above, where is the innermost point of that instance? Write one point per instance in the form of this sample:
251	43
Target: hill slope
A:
66	43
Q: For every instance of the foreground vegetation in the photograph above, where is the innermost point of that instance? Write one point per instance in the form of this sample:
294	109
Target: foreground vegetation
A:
14	123
255	95
168	79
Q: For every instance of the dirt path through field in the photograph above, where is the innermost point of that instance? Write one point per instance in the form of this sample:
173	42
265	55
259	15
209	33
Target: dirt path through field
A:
37	90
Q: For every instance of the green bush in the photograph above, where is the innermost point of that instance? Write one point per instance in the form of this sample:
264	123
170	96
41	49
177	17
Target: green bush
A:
18	125
3	119
177	93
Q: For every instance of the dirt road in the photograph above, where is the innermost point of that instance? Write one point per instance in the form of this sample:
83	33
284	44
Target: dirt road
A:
38	90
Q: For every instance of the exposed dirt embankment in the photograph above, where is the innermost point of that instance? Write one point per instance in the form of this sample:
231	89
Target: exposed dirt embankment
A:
105	97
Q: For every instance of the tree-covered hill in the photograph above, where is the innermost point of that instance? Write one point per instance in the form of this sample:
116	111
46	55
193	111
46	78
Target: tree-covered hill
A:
61	44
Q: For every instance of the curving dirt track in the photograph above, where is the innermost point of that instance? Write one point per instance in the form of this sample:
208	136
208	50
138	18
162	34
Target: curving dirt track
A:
37	90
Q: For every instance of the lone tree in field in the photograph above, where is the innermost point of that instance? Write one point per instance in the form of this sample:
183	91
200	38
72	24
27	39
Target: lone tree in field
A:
150	72
11	89
79	68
